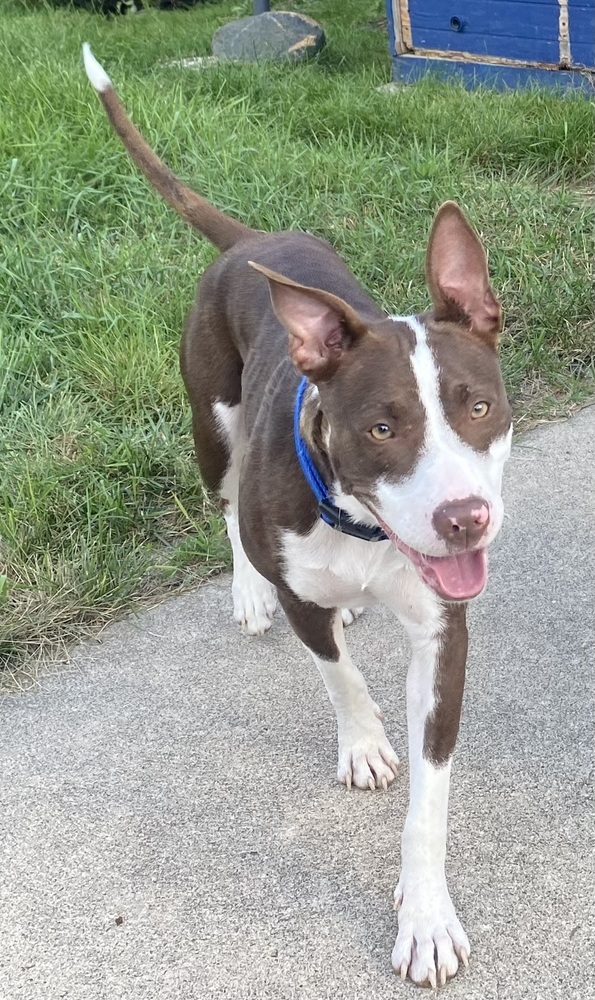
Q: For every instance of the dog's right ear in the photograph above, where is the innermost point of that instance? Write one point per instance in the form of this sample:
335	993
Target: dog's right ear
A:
321	326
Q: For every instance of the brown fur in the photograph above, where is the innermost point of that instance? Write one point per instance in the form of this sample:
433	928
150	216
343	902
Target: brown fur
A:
235	349
219	228
442	725
461	353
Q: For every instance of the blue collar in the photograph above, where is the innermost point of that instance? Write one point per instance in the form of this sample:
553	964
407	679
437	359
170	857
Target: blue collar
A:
329	512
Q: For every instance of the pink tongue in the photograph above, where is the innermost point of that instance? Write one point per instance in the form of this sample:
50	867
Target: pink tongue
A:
456	578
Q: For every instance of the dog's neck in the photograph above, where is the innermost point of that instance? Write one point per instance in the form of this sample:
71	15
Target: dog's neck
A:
315	430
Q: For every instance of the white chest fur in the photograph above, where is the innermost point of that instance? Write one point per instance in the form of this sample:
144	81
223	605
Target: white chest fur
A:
335	570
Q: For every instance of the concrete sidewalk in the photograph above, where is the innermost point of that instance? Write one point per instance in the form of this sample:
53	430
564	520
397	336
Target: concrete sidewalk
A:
170	826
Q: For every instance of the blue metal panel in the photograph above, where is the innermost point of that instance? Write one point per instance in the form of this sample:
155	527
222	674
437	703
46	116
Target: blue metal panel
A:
492	18
522	49
409	68
505	28
582	55
581	20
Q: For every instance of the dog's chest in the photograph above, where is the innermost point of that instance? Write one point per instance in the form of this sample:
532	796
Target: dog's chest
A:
335	570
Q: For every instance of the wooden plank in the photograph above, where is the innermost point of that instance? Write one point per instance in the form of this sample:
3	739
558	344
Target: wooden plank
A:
582	55
564	34
581	22
479	45
399	26
492	17
392	36
410	68
489	60
405	24
493	27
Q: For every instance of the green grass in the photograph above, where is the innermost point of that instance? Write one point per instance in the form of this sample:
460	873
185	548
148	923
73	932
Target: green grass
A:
100	503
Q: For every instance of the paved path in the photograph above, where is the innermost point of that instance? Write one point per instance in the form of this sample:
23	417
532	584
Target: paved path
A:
180	777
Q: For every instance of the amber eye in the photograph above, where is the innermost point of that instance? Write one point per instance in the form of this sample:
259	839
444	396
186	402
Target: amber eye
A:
480	409
381	432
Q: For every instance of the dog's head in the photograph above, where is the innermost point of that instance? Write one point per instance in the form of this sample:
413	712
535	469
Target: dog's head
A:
414	416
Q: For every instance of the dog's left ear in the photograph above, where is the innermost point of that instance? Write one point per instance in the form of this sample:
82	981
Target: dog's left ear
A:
457	275
321	326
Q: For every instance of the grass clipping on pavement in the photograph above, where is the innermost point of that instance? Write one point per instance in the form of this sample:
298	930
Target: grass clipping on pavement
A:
101	505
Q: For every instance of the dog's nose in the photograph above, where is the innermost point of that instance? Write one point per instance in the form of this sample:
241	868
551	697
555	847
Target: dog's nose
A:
462	523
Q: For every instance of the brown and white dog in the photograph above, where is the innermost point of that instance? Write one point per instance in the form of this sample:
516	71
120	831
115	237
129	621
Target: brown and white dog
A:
406	420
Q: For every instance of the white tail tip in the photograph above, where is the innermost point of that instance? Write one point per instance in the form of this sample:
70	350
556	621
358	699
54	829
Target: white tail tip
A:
95	71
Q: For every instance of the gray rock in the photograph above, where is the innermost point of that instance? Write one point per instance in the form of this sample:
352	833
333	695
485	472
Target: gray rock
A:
274	35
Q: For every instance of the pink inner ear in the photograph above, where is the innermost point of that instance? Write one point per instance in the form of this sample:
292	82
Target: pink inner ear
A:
457	272
311	321
478	303
315	328
493	312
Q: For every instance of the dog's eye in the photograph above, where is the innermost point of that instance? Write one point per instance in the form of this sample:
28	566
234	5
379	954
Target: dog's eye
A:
480	409
381	432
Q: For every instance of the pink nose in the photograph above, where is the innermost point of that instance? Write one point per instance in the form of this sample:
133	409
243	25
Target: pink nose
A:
462	523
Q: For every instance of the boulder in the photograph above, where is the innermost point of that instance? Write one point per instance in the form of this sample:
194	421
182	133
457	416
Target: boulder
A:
276	34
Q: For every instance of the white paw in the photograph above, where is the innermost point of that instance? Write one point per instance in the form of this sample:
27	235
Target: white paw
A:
366	758
431	942
254	601
350	614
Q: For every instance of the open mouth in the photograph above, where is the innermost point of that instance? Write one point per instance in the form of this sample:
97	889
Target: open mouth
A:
459	577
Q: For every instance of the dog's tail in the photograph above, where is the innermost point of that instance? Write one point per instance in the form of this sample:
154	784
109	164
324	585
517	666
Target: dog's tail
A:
220	229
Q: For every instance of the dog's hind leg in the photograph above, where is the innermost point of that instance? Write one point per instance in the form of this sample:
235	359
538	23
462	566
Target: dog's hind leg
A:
366	758
254	599
212	372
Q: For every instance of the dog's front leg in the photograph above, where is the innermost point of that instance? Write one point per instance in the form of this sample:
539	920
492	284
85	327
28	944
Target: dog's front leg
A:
366	758
431	941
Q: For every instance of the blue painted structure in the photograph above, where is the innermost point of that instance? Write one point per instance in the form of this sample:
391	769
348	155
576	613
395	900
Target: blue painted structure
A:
505	43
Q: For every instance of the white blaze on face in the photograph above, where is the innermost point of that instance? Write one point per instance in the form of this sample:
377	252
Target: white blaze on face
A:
448	468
